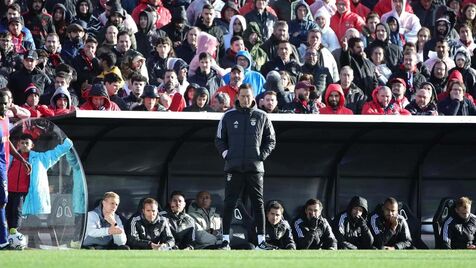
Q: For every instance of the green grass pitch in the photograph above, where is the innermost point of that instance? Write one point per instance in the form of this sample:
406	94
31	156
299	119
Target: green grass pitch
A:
241	259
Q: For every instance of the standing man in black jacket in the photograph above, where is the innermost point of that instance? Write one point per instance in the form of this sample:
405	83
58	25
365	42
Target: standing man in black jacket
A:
245	138
350	226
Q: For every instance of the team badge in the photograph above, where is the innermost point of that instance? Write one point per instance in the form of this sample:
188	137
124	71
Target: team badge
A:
253	121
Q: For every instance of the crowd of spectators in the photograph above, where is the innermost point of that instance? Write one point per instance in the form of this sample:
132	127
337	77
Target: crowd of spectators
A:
198	226
304	56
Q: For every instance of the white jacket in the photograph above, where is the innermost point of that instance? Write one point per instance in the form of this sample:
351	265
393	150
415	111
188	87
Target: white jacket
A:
409	23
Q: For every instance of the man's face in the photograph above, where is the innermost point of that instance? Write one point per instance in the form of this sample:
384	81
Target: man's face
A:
205	65
83	8
150	211
314	39
6	43
111	35
377	56
124	43
172	78
217	106
398	89
372	24
357	212
341	6
229	12
12	14
313	211
422	98
281	33
311	56
245	97
61	82
90	48
208	15
274	216
381	33
150	103
260	4
52	44
177	204
441	27
334	98
32	100
25	146
456	92
465	34
15	28
62	103
163	50
76	35
192	37
4	103
236	78
440	70
442	49
346	78
202	100
97	102
390	210
138	87
358	48
143	20
112	88
464	211
270	102
204	200
383	97
301	12
109	205
398	4
284	51
29	64
409	61
242	61
237	46
116	19
37	5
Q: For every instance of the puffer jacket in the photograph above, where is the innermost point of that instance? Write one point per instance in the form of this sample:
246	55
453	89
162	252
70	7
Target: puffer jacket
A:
142	232
248	136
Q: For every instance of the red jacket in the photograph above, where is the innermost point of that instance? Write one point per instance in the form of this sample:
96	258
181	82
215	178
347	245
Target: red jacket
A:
163	14
39	111
341	109
341	22
178	103
18	179
374	107
250	5
232	92
360	10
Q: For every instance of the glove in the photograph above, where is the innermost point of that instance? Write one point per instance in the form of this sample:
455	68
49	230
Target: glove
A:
313	223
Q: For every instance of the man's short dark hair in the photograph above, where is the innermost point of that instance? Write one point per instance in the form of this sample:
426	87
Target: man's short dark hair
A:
137	77
235	38
109	57
149	201
112	78
179	193
372	15
26	136
204	55
353	41
245	86
15	6
312	202
274	205
390	200
91	40
207	6
63	74
270	92
121	33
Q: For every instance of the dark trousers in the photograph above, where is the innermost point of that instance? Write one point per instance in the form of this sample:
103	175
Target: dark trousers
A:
235	184
3	200
14	209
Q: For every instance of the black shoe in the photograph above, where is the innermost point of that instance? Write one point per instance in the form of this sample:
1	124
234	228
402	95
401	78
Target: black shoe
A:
225	245
265	246
7	247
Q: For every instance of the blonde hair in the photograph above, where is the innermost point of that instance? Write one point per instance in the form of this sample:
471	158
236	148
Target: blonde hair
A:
110	195
463	201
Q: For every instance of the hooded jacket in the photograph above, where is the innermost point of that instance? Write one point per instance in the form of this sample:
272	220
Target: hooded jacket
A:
254	78
97	230
141	232
248	137
93	24
211	81
354	98
265	21
374	107
301	26
258	55
227	37
60	26
393	53
436	36
341	109
163	14
313	234
439	83
414	109
69	109
459	233
468	73
39	23
341	22
97	92
328	36
409	23
351	232
194	107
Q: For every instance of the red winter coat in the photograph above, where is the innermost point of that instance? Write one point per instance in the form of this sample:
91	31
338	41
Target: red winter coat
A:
178	103
341	22
341	109
374	107
163	14
18	179
39	111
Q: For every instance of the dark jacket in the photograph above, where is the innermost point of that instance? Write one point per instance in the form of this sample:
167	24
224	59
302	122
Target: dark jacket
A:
322	76
209	81
39	23
92	23
265	21
414	109
183	229
249	137
299	107
417	79
87	70
455	107
145	38
355	98
458	233
270	46
280	235
141	233
277	64
393	53
185	51
469	74
194	107
385	236
313	234
364	71
156	66
350	232
20	80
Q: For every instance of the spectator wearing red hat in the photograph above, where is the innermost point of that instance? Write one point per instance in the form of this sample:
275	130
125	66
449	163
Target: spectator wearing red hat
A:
335	101
98	100
399	87
381	103
32	103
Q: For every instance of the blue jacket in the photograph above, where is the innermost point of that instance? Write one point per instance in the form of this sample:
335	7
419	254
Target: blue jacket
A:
79	196
254	78
37	201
